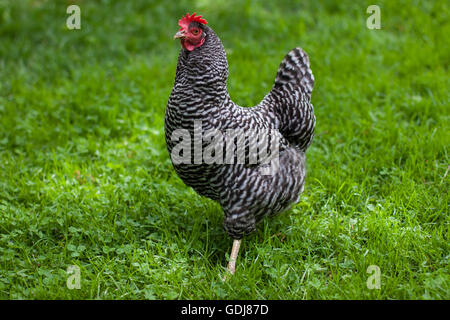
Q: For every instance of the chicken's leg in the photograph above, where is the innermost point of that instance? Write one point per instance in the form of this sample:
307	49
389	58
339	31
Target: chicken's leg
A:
233	256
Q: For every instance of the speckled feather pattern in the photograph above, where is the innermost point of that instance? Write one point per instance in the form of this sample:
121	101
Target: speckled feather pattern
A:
200	93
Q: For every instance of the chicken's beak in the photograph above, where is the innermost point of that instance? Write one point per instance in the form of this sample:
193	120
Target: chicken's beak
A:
179	35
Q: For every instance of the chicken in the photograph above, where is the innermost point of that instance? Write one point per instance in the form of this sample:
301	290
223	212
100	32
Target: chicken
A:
250	160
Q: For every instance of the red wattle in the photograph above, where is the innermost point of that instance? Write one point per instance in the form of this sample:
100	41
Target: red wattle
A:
189	46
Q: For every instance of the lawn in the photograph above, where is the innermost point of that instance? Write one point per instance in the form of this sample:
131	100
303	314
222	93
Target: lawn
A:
86	181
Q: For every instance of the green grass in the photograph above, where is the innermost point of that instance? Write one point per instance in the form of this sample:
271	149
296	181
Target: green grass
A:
85	178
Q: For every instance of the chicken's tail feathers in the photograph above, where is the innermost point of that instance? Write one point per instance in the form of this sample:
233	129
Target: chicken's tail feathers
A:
295	69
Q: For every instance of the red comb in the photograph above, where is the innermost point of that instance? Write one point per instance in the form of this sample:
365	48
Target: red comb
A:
186	20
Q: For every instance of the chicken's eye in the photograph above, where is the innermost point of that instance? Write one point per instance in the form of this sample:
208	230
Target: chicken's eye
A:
195	32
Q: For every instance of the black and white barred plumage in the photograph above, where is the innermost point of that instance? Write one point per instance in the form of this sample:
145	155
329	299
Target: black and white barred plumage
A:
200	93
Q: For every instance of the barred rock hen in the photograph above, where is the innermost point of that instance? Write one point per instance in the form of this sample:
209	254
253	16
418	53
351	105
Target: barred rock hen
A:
200	111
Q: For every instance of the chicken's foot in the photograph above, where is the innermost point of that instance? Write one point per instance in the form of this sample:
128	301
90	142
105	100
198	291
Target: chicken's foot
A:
233	256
